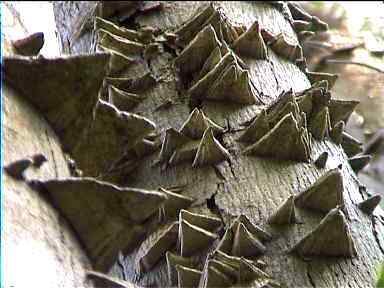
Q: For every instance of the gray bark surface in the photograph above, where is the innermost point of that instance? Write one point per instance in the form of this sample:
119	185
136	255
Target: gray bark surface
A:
253	186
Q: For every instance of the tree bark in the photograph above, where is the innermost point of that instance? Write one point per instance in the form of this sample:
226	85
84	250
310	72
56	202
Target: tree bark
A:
253	186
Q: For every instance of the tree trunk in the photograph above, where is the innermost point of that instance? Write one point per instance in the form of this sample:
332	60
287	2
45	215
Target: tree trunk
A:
233	183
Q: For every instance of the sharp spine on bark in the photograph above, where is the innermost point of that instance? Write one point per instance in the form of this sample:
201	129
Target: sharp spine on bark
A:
185	153
118	61
225	244
369	205
320	76
281	46
111	145
341	110
254	229
227	81
325	194
284	111
321	160
114	29
194	141
336	132
305	103
154	248
235	237
224	268
30	45
251	43
80	128
239	269
193	239
320	124
299	14
359	162
187	277
124	101
203	221
103	280
132	85
175	203
188	31
351	145
211	62
196	125
30	76
91	205
193	57
285	213
257	129
332	237
172	140
296	147
245	244
119	44
210	151
212	277
221	77
172	261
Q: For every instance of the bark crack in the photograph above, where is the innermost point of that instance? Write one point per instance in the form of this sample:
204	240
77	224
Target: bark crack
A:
120	263
274	73
212	205
310	277
232	170
375	234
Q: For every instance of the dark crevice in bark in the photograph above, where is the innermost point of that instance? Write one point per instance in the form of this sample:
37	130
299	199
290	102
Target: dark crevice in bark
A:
362	190
375	234
232	170
148	64
130	22
170	50
120	263
310	277
228	124
214	208
274	73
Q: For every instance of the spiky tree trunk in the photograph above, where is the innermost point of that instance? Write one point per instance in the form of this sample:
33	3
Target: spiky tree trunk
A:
224	121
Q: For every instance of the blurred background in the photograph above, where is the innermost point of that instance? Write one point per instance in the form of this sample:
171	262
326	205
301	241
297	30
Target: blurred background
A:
353	47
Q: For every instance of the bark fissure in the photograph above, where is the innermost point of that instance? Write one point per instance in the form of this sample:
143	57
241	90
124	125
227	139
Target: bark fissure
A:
272	67
375	233
311	281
